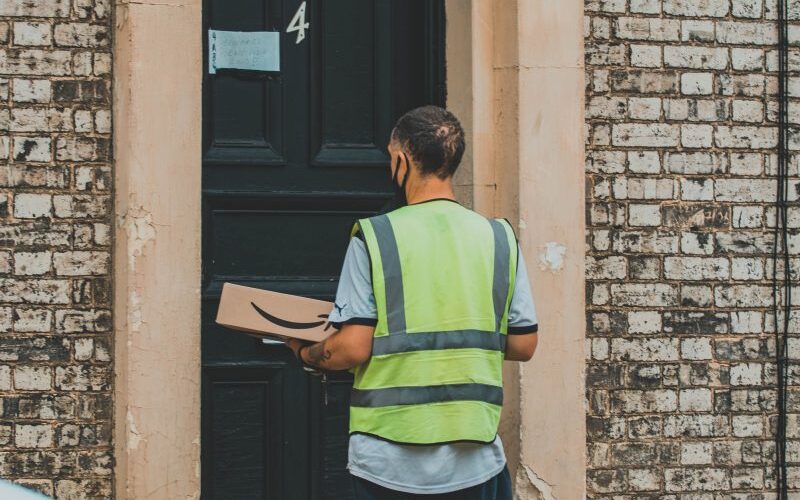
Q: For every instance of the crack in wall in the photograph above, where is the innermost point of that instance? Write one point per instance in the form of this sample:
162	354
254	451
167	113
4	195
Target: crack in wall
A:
529	486
140	229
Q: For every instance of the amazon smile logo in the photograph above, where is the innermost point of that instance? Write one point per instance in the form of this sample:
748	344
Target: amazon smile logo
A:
293	325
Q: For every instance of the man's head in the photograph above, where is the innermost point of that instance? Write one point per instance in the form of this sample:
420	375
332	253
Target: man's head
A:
431	139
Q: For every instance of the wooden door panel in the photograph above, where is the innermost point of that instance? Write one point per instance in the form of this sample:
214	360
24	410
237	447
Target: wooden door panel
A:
242	116
352	108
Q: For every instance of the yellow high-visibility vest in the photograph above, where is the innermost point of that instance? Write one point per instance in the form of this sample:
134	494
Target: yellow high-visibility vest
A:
442	277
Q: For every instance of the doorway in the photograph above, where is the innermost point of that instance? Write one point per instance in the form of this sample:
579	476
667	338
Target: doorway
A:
290	161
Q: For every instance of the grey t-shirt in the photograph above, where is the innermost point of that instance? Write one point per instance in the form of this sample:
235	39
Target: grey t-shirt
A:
412	468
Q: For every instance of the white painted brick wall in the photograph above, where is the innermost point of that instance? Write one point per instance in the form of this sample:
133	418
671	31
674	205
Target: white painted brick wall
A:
681	142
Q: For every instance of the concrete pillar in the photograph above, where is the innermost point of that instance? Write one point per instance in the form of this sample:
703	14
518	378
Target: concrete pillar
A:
157	131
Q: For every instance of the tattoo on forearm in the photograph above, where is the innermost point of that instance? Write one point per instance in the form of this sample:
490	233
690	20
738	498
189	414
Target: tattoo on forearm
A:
318	354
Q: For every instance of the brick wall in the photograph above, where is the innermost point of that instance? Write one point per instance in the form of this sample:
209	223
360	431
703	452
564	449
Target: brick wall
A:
55	230
681	142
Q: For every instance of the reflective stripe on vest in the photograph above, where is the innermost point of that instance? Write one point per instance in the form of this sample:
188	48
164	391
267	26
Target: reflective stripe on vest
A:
436	369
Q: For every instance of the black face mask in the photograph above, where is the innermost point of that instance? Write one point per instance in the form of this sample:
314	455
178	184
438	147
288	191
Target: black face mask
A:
399	198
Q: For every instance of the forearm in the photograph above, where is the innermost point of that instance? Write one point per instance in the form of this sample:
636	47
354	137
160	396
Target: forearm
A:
345	349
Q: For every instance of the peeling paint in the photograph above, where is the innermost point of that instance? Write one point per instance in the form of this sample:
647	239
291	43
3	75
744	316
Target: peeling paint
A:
522	224
138	225
551	256
135	320
529	486
134	438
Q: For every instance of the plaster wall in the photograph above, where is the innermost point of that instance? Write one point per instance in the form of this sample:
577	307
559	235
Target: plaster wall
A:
522	109
157	115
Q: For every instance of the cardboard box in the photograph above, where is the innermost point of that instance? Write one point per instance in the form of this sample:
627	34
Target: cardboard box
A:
273	315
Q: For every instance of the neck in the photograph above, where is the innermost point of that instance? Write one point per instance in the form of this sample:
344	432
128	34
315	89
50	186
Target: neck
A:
429	188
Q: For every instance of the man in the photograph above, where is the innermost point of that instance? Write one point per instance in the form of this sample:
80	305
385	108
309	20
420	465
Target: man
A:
431	299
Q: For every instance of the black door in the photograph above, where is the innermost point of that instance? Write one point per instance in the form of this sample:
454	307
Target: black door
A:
290	160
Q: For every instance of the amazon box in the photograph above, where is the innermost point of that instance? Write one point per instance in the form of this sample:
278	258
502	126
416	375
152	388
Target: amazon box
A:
271	314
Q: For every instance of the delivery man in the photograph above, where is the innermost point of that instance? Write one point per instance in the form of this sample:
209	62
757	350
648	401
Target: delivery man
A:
432	298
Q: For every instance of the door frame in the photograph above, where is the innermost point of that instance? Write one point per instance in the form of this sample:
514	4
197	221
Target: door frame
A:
515	78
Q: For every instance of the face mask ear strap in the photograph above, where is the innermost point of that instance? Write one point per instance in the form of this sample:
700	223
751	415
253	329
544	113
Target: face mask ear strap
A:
396	170
408	167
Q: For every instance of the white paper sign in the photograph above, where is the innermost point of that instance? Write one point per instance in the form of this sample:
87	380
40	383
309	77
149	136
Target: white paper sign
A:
247	50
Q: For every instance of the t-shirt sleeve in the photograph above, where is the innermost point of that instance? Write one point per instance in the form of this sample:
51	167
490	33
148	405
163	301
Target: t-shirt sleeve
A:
355	301
522	312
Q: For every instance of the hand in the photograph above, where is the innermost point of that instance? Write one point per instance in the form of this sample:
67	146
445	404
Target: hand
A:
295	346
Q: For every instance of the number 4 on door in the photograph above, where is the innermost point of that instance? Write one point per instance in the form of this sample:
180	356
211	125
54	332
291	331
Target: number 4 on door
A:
298	23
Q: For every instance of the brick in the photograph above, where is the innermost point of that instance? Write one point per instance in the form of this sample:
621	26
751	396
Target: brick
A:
644	108
82	378
649	135
606	268
695	322
81	35
746	137
644	215
33	436
654	401
32	378
738	296
32	263
737	32
644	242
697	189
695	400
695	57
645	6
696	349
644	162
695	426
646	56
39	8
745	190
640	81
696	453
750	85
32	33
36	149
746	59
696	8
645	349
29	205
37	91
696	136
696	268
39	291
748	111
746	374
697	83
692	163
644	322
32	320
693	30
747	8
691	479
81	263
83	321
35	62
648	28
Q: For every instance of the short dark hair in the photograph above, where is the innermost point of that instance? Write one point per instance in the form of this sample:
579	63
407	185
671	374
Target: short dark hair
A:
433	137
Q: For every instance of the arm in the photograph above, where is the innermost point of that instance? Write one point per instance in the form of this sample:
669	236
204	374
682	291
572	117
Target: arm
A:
345	349
522	321
521	347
